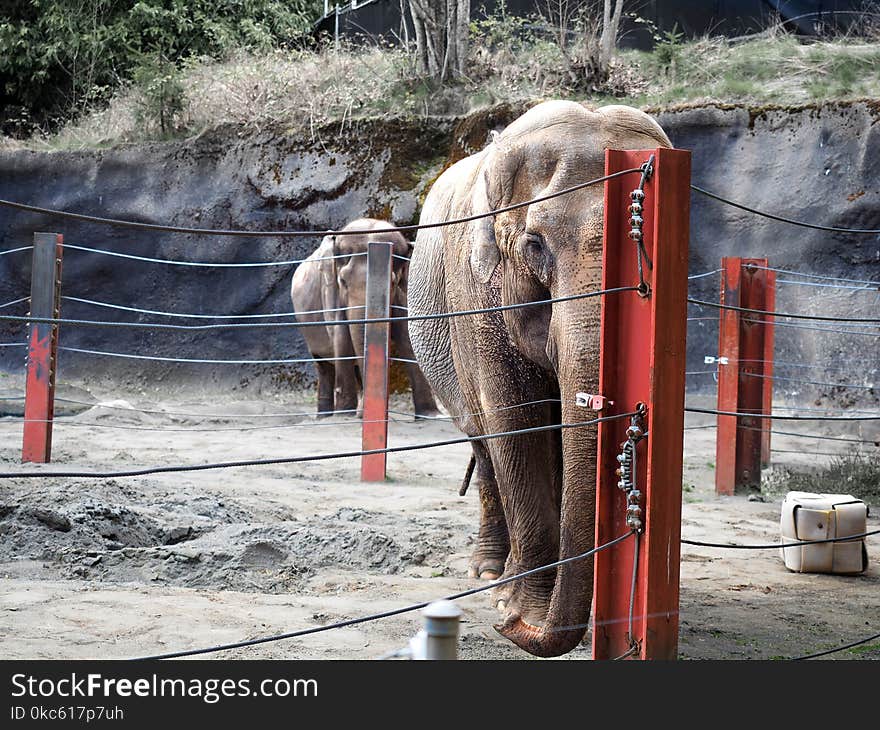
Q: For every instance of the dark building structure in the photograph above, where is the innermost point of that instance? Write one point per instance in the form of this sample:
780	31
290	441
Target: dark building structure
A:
389	19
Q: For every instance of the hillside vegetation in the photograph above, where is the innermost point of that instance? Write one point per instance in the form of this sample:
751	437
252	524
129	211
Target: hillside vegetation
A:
298	88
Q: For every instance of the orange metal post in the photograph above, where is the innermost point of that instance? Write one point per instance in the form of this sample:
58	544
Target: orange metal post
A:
39	399
769	345
728	377
744	384
375	375
643	361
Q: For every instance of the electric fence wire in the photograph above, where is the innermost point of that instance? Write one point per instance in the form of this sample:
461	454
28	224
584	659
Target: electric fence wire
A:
386	614
14	302
161	313
16	250
208	264
867	282
311	233
299	459
765	313
782	219
119	307
808	382
322	323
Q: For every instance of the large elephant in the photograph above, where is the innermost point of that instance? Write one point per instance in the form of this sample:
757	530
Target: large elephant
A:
522	367
327	287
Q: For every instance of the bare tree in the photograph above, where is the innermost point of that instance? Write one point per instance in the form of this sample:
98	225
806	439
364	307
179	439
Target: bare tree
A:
610	29
441	29
586	33
559	15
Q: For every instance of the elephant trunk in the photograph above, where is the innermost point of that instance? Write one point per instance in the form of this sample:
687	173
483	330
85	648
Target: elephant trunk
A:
575	345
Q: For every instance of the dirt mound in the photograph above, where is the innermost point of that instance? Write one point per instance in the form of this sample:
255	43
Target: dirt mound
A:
117	533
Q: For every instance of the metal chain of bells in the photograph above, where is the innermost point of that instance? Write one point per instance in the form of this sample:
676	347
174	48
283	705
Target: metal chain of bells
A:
636	222
627	469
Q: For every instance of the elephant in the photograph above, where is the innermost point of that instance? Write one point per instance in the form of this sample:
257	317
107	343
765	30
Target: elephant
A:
518	368
327	288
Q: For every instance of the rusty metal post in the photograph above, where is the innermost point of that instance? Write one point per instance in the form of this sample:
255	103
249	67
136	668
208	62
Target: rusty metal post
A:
744	380
39	400
376	352
769	348
642	360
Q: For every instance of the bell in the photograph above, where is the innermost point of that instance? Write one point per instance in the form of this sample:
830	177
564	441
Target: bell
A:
636	221
635	208
635	234
637	195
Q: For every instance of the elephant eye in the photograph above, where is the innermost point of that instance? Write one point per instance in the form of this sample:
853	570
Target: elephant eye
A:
534	243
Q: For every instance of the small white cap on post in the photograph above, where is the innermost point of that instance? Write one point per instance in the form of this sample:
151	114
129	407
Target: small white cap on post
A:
441	630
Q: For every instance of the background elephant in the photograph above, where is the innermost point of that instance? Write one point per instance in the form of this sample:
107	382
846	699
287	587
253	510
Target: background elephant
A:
325	283
509	370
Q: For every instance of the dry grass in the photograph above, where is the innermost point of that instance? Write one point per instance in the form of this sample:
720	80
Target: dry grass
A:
855	472
305	90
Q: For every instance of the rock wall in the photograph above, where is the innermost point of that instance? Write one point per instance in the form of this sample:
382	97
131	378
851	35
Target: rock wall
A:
819	164
221	181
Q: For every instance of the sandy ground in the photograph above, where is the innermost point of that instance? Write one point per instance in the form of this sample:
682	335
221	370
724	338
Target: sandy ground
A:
127	567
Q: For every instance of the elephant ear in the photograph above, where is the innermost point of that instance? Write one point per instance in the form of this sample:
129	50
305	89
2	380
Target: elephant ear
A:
485	255
327	267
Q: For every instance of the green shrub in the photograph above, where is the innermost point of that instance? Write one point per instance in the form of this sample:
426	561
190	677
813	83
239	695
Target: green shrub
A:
60	57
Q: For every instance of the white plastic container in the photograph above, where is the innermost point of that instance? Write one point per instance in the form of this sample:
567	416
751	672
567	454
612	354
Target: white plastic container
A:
809	516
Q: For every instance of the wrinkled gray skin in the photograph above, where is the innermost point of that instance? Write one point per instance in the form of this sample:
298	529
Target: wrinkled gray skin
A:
537	491
323	283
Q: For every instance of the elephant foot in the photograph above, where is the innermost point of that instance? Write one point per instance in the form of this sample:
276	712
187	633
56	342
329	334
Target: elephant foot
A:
486	565
484	572
346	409
525	600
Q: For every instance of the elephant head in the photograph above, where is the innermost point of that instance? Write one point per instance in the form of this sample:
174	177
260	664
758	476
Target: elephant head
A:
551	250
351	271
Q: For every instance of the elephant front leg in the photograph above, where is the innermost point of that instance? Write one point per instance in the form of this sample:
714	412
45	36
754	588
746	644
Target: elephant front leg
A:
423	399
326	379
346	385
493	541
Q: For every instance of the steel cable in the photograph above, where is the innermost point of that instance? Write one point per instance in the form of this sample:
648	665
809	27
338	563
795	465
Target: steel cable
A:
299	459
833	229
772	416
385	614
314	233
16	250
817	317
212	316
848	538
209	264
839	648
814	328
810	436
14	301
323	323
806	382
846	287
204	361
875	284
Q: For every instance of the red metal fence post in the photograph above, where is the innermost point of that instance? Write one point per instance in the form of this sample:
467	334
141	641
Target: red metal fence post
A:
728	376
769	347
375	375
643	361
39	399
744	379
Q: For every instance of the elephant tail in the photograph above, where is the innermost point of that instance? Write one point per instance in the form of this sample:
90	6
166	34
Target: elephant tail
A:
468	473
